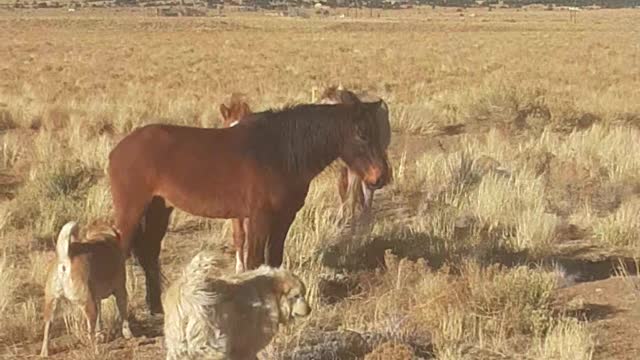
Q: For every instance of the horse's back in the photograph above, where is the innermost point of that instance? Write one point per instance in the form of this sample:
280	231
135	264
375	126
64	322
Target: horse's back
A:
162	142
140	140
188	167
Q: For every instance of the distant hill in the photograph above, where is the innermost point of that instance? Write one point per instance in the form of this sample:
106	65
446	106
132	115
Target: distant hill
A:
542	4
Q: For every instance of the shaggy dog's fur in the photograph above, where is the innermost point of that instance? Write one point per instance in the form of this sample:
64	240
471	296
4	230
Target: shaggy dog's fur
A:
231	318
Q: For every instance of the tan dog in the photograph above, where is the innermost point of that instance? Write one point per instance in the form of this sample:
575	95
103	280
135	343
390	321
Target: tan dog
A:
232	318
85	273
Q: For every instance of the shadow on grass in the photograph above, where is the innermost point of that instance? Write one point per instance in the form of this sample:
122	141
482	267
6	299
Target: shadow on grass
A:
592	312
361	254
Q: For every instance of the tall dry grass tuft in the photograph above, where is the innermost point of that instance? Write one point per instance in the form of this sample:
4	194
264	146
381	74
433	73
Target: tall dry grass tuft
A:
5	216
519	299
7	284
620	229
10	152
57	187
602	148
316	225
478	313
23	322
566	339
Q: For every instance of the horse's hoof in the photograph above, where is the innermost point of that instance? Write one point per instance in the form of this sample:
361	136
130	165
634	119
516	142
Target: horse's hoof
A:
155	309
156	312
126	333
101	337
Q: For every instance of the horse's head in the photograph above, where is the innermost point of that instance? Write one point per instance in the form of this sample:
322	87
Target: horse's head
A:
235	112
365	147
338	95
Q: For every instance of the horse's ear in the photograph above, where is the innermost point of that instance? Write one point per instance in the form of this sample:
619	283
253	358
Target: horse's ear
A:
380	104
246	110
328	93
224	111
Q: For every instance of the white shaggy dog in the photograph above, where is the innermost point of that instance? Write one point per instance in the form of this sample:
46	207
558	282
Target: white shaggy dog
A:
228	318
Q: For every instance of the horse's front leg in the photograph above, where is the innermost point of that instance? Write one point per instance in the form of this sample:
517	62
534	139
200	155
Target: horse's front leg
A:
367	203
257	236
278	234
349	190
355	191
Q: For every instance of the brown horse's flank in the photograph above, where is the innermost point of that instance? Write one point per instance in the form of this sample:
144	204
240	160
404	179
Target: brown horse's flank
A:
260	169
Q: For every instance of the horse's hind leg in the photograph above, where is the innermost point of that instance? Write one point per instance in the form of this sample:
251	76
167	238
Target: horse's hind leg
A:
147	249
239	236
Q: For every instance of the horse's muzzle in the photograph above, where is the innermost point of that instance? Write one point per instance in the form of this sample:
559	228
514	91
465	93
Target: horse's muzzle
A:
376	178
376	185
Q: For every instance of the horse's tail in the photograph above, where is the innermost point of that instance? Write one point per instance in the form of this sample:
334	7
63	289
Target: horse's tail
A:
187	304
68	232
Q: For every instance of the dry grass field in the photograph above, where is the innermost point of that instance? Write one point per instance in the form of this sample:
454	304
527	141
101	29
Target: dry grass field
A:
511	228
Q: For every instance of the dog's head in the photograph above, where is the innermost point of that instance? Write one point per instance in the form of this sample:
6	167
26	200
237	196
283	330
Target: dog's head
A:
291	293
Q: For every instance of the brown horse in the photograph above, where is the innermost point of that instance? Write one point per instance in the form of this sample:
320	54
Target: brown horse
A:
237	110
348	183
259	169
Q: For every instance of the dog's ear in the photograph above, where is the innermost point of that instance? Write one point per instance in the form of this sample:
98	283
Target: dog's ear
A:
74	236
246	110
117	233
283	284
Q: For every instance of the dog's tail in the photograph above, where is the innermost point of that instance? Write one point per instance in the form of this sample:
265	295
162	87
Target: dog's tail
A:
194	276
187	304
68	232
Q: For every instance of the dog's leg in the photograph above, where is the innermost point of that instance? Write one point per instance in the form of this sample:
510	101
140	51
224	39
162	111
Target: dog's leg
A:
121	301
49	310
100	336
91	315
